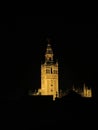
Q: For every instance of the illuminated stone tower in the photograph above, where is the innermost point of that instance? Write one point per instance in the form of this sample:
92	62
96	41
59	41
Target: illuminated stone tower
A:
49	75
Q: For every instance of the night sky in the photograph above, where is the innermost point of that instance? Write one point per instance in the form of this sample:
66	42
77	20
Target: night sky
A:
23	47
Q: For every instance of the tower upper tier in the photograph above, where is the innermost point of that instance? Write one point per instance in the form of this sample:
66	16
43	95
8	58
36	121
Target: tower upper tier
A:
49	54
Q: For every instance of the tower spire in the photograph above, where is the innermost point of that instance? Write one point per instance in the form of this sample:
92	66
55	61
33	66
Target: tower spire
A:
48	40
49	53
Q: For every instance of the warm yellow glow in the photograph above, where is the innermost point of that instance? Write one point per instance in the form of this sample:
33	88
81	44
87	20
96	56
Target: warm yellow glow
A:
87	92
50	79
49	75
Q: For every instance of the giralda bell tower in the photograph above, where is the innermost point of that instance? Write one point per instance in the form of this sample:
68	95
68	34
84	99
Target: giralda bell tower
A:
49	75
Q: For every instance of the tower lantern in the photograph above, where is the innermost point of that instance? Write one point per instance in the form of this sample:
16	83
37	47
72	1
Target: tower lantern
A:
49	54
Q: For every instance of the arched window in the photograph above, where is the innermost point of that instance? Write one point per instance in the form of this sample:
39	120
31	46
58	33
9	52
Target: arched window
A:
49	58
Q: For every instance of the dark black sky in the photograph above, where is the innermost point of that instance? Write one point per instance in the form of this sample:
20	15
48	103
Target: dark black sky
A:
24	45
